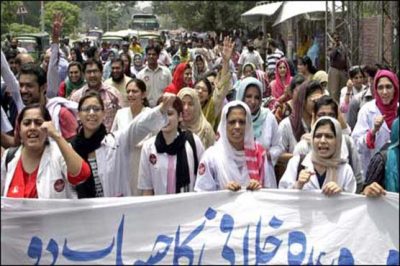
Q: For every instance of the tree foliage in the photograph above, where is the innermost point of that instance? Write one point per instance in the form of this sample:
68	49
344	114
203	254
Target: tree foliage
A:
16	28
204	15
8	14
95	13
70	12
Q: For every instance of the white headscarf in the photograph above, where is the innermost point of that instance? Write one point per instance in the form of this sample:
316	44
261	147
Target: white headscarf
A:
252	153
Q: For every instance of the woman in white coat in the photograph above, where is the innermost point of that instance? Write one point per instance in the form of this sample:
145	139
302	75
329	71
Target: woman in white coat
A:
236	160
39	168
138	103
322	168
108	154
265	127
374	121
169	160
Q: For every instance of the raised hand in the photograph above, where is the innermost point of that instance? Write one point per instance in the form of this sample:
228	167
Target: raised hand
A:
378	123
58	22
49	128
227	49
167	101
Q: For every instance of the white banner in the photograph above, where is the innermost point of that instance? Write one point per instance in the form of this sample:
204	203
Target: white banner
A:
262	227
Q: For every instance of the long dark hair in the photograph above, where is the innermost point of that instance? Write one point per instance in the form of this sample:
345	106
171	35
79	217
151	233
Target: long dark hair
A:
305	90
142	87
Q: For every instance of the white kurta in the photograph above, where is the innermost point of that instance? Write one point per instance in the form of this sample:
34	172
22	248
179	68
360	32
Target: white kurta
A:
345	176
114	169
153	170
365	122
270	139
122	120
211	177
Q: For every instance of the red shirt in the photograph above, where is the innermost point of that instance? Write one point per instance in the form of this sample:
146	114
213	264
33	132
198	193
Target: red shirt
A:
68	123
23	185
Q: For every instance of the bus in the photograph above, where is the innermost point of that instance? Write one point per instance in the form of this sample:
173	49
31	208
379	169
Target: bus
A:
145	22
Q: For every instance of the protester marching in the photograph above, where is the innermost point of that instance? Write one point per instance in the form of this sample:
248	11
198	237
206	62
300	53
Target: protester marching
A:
190	113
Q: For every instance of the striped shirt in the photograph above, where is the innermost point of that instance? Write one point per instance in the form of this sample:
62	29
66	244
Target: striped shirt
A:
273	58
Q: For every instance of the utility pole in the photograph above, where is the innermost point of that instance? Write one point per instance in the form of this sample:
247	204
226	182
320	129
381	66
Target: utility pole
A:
108	24
42	15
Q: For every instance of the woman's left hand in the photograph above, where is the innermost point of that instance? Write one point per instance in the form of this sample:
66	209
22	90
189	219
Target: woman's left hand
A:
331	188
253	185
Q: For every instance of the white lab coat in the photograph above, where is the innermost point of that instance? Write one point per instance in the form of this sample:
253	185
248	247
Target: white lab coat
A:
210	176
113	156
345	176
303	148
153	169
365	122
270	139
52	169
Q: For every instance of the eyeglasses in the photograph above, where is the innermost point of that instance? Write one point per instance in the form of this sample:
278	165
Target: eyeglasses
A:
94	108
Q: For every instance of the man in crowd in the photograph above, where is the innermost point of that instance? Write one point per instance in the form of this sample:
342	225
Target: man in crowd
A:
118	79
111	97
156	77
338	65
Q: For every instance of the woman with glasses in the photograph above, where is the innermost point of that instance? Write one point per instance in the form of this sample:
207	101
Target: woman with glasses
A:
108	154
327	106
323	167
40	167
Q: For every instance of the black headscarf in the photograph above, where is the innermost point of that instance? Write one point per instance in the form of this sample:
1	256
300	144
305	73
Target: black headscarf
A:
177	147
83	147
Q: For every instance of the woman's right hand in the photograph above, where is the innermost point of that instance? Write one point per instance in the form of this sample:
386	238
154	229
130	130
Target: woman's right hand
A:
233	186
304	177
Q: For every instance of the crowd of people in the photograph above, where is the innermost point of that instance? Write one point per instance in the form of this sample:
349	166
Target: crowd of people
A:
196	114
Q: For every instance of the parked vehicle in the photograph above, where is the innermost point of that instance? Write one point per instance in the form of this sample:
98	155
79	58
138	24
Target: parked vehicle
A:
117	37
144	36
35	43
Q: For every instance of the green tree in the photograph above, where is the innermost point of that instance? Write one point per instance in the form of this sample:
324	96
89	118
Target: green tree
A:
204	15
8	14
16	28
69	11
